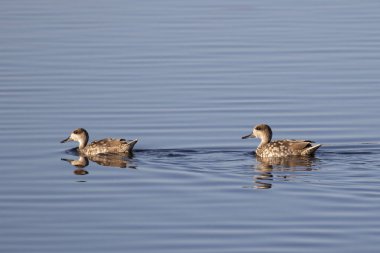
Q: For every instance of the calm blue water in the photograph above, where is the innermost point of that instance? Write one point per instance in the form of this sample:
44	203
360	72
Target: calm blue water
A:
189	78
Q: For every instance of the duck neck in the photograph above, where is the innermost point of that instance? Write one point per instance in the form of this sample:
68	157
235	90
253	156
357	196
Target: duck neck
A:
82	143
265	140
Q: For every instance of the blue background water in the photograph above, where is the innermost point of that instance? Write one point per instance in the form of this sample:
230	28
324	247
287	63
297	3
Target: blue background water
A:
189	78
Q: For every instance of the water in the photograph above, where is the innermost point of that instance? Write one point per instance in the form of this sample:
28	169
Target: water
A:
189	78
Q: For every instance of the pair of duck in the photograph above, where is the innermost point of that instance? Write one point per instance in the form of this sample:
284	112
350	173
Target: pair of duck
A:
266	148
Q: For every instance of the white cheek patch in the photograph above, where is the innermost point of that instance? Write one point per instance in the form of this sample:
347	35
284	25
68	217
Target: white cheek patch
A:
74	137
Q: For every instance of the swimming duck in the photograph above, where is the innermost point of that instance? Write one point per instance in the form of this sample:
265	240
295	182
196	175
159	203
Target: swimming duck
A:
99	147
280	148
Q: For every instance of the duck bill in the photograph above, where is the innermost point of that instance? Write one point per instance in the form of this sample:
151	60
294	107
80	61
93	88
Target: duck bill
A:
67	160
251	135
66	140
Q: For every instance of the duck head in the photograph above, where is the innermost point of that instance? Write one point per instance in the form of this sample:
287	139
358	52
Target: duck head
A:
262	131
80	135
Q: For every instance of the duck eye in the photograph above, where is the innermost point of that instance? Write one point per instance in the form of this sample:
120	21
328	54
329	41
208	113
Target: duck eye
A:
258	128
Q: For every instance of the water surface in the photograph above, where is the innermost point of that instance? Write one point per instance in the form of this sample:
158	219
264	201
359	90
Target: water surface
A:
189	78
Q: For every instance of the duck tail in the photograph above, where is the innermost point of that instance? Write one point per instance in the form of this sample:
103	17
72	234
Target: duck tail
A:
311	150
131	144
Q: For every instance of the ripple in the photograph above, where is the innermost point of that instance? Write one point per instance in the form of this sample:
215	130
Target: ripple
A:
188	79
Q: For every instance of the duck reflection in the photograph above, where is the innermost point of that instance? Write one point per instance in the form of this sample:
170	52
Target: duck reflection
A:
271	169
80	164
109	160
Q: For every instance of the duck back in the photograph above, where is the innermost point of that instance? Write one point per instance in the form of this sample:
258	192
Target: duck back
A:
283	148
109	145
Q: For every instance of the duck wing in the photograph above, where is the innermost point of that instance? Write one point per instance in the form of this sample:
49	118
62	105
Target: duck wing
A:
299	144
303	147
111	145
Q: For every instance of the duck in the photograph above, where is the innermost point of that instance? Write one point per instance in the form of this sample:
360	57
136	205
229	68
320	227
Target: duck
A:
280	148
103	146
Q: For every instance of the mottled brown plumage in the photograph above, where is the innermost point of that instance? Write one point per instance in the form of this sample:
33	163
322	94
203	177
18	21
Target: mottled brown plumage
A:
103	146
280	148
